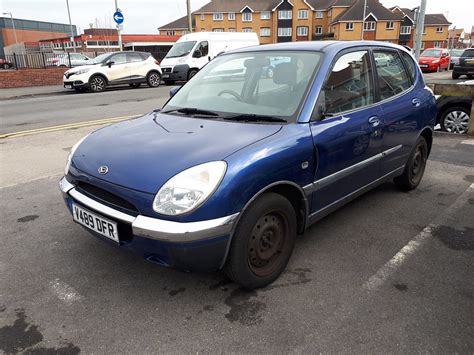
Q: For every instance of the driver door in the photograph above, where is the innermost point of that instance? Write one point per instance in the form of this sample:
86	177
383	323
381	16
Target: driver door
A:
119	71
203	49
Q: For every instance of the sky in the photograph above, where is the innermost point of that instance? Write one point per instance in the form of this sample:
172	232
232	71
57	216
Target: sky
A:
145	16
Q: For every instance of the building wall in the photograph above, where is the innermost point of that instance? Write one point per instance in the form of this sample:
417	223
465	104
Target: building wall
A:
31	77
344	35
431	36
382	34
300	5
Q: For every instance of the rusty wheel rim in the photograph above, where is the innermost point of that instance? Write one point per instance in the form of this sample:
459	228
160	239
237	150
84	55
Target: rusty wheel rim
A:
267	243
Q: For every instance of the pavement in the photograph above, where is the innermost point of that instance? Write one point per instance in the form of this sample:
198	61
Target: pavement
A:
390	272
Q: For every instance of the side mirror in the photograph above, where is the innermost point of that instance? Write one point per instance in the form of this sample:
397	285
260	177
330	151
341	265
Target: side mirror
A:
109	63
174	90
197	54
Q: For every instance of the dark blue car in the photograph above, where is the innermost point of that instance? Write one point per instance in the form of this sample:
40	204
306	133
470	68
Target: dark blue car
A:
237	163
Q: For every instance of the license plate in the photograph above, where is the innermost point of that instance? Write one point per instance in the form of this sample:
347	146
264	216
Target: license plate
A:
97	223
423	65
68	86
166	76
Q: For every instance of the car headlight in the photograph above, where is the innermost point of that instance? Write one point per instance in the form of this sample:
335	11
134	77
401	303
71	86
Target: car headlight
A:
71	153
82	71
436	61
189	189
180	61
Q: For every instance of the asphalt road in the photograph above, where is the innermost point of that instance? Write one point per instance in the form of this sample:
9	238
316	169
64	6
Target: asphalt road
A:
31	108
391	272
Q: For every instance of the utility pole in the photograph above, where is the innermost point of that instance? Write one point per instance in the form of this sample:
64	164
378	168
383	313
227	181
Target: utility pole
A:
119	30
190	19
420	25
13	25
363	19
451	44
70	25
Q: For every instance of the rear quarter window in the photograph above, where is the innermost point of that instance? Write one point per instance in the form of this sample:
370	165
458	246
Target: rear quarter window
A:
410	64
468	53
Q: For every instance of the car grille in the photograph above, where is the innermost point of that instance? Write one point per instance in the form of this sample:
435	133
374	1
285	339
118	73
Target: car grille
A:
107	198
166	70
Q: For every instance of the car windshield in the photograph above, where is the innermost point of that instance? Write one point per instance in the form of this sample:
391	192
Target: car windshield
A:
457	52
100	58
264	83
468	53
431	53
181	49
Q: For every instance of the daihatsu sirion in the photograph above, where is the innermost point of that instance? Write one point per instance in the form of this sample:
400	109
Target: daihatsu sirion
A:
238	163
117	68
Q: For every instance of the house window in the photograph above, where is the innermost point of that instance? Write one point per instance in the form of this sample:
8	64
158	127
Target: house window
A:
389	25
203	17
217	16
265	32
247	17
319	30
439	29
217	30
284	32
438	44
265	15
232	29
319	14
349	26
171	33
405	30
284	15
302	14
424	30
231	16
247	29
369	26
302	31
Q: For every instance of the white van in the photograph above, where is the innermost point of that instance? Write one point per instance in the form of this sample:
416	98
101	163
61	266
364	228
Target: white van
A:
192	51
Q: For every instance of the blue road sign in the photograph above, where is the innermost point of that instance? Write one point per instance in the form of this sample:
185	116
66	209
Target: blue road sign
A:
118	17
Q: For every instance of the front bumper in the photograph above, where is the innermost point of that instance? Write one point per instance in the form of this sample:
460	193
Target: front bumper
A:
429	66
191	246
463	70
75	84
176	73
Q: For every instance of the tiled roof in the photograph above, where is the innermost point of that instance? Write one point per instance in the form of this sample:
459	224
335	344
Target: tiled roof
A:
436	19
356	12
237	5
181	23
326	4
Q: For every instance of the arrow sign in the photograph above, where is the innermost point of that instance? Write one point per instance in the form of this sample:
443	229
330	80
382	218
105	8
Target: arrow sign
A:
118	17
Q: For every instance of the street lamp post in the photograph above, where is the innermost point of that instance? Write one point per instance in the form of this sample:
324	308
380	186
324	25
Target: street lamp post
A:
70	25
363	19
13	25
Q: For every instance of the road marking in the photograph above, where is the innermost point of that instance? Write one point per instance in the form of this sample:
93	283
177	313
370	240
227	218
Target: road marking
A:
67	126
390	267
64	291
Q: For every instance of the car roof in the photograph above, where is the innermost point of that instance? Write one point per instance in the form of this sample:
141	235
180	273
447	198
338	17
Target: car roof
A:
320	46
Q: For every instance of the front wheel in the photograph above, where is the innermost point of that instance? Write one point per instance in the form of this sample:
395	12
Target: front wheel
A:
153	79
263	242
97	83
191	73
455	76
414	168
455	120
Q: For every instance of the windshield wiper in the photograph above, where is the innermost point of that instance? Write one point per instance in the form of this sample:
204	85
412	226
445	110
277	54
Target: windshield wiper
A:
251	117
192	111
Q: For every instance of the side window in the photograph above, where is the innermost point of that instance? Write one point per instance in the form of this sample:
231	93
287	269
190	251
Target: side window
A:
134	57
391	75
203	48
349	85
410	64
120	58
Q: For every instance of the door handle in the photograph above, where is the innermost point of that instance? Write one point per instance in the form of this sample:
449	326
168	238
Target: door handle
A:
416	102
374	121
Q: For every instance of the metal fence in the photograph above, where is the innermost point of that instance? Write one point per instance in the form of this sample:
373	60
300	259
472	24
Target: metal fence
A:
43	60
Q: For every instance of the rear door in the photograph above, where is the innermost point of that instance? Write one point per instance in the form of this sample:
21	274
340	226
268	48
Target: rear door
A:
119	71
402	106
138	66
346	130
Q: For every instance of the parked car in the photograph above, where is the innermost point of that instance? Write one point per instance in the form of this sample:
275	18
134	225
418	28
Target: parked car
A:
465	65
117	68
454	112
192	51
434	59
455	54
5	64
67	60
230	171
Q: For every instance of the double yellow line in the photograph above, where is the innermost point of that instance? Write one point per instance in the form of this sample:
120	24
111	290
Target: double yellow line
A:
67	126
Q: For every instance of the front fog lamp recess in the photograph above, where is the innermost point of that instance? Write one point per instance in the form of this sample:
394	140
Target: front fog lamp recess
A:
189	189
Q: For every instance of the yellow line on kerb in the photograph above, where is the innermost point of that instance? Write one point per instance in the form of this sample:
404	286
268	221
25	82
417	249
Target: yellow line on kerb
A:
67	126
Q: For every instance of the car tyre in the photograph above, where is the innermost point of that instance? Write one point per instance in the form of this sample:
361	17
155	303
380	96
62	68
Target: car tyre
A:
191	73
438	69
135	85
414	168
153	79
455	120
5	66
97	83
263	242
455	75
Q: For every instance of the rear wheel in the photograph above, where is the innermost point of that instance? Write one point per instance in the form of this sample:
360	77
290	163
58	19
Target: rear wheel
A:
414	168
263	242
97	83
153	79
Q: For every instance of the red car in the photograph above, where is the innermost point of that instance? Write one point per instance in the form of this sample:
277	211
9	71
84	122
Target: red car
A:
5	64
434	59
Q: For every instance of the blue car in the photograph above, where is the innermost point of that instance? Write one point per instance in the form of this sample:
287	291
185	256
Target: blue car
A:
237	164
